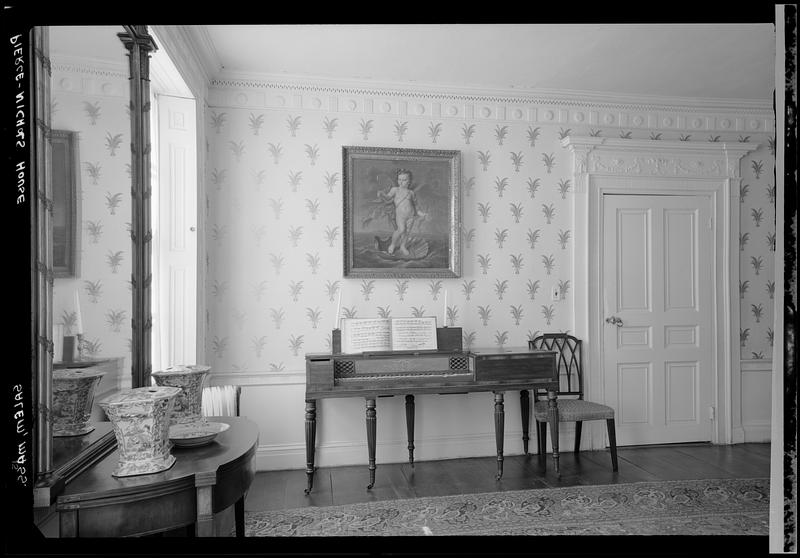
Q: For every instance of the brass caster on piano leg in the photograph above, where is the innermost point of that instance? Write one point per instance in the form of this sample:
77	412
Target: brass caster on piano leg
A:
370	485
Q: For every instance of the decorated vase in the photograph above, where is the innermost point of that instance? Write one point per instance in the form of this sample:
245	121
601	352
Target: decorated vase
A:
73	395
189	402
141	420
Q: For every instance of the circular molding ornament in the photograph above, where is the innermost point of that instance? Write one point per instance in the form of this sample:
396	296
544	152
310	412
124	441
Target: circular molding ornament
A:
452	110
696	123
608	118
725	123
518	114
386	107
241	99
579	117
66	84
420	109
280	100
316	102
638	120
754	124
108	88
352	104
667	121
549	115
486	112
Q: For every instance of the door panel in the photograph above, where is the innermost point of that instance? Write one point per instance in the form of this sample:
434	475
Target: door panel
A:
657	265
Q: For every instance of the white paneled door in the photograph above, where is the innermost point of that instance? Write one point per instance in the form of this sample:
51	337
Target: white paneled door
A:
657	265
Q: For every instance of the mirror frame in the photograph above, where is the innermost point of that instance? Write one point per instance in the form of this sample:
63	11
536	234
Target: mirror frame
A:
139	44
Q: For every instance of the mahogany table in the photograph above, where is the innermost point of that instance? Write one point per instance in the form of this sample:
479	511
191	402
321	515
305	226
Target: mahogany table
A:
203	481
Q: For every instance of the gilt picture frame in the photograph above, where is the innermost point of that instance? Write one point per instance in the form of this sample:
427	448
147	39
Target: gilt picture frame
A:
402	212
66	218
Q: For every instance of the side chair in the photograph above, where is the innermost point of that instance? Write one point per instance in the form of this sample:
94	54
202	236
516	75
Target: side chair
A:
571	405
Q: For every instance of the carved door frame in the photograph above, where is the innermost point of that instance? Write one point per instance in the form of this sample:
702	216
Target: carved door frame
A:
630	166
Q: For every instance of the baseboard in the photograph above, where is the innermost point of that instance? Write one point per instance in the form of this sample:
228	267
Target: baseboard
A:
757	432
737	435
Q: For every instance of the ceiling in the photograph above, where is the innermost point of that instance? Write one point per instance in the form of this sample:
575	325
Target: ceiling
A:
709	61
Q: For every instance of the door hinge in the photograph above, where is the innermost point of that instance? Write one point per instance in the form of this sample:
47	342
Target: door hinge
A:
711	413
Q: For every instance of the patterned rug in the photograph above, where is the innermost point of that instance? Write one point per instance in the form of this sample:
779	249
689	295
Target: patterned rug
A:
689	507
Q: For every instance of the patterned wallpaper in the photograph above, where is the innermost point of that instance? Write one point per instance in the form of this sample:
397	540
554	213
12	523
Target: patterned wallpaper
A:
757	253
96	105
274	235
275	230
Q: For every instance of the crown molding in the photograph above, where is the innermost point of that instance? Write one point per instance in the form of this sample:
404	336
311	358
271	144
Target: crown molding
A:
564	108
200	42
90	66
81	76
184	57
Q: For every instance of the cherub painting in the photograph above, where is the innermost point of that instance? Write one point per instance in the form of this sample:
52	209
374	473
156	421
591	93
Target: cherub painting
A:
401	208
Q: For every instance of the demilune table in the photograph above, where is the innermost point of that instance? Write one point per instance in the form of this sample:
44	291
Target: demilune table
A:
204	481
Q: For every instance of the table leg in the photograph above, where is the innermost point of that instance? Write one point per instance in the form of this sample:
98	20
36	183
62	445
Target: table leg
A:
552	418
371	427
410	427
311	434
238	516
204	526
499	417
525	408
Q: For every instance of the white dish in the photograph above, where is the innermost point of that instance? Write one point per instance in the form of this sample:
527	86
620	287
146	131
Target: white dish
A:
195	433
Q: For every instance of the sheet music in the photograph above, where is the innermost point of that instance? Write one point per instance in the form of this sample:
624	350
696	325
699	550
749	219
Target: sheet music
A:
410	334
366	334
388	334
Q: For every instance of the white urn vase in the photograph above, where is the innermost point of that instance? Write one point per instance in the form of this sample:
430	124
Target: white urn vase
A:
141	420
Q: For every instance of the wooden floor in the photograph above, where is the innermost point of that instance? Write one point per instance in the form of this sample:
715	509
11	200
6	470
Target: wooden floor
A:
275	490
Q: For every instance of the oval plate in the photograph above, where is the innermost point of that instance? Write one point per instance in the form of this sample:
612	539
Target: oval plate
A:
195	433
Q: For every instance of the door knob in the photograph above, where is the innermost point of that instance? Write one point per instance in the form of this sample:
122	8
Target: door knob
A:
615	321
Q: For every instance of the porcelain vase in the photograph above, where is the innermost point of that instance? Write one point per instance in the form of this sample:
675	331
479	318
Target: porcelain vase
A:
73	396
189	402
141	420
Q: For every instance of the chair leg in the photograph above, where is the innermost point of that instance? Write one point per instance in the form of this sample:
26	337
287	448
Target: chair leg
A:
578	425
541	427
612	441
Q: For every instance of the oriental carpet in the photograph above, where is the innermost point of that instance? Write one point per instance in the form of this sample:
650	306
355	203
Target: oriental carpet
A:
683	507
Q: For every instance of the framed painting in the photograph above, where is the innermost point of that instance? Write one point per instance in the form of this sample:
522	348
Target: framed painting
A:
402	212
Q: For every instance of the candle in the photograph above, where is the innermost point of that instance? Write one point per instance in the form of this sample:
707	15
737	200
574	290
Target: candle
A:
338	308
78	319
445	308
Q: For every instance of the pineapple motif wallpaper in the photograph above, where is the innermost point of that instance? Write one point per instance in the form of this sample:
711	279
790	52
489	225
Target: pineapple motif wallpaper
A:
95	103
274	227
757	253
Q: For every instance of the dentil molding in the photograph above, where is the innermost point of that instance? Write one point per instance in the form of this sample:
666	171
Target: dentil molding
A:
429	101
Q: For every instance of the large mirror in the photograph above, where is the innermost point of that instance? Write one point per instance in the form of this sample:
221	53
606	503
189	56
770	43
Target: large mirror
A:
93	234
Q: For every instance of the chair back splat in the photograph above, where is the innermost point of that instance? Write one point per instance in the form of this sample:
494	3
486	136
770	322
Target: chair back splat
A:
570	371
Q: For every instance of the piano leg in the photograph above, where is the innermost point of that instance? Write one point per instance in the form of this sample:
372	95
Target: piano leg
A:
311	434
499	416
371	427
410	427
552	418
525	408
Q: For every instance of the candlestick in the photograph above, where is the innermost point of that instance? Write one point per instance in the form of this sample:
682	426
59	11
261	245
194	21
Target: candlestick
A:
78	319
338	309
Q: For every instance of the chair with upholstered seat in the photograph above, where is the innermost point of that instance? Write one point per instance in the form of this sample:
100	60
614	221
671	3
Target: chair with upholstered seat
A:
571	405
